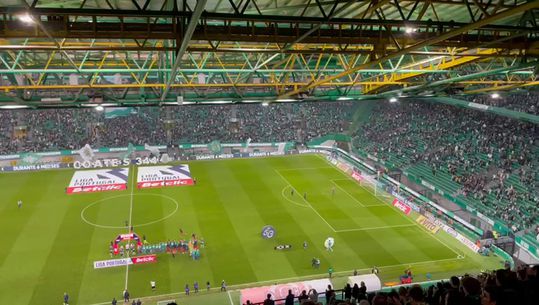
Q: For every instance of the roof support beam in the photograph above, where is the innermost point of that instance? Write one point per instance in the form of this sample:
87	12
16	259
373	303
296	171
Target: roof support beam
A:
442	37
461	79
199	8
44	29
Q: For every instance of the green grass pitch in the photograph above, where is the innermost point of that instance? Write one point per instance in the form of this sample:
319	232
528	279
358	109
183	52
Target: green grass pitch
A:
48	246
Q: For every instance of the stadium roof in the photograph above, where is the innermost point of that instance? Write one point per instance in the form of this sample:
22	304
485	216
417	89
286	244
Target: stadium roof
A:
152	51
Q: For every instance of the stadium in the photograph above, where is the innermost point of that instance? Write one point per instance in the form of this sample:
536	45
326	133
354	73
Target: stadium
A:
242	152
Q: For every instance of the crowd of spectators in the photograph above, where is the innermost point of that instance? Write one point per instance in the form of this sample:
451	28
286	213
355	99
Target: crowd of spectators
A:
54	129
479	151
501	287
523	102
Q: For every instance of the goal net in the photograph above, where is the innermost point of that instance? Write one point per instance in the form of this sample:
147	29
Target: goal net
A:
375	187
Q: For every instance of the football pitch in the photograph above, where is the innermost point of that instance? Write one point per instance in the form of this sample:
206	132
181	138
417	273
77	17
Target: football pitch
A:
48	246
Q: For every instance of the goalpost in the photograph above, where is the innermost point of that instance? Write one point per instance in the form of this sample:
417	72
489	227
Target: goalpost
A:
375	187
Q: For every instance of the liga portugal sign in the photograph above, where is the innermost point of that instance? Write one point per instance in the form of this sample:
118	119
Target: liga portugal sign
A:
162	176
100	180
144	259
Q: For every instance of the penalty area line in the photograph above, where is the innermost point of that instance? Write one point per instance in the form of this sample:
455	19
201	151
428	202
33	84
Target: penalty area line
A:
290	200
304	200
349	195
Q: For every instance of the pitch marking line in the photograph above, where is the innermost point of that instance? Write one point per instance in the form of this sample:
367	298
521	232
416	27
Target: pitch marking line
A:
406	217
130	221
374	228
82	213
418	225
303	168
230	298
349	195
290	200
166	301
297	278
306	202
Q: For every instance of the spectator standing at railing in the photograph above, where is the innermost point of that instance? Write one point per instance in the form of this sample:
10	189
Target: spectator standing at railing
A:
348	292
268	300
330	295
289	298
313	295
355	293
303	297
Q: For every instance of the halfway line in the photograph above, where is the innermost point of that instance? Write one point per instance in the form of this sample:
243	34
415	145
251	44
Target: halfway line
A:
130	219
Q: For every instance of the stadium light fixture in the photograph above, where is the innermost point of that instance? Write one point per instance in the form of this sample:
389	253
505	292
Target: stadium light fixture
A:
286	100
345	98
495	95
409	30
176	103
99	108
26	18
265	104
13	106
393	100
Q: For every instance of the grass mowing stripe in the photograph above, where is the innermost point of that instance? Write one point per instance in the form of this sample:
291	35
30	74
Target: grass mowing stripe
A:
225	251
221	207
290	226
21	271
70	249
13	218
153	204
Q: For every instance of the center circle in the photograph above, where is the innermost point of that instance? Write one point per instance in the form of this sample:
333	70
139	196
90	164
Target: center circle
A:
145	209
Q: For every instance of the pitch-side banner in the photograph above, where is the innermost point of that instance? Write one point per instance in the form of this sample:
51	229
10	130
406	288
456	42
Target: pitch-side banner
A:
161	176
145	259
402	206
258	294
429	225
100	180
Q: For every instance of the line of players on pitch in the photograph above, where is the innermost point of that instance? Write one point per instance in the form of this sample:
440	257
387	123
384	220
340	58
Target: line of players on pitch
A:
191	246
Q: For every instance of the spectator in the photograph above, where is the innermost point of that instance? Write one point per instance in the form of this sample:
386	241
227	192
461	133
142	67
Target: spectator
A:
289	298
355	293
490	295
348	292
313	295
268	300
330	295
303	297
